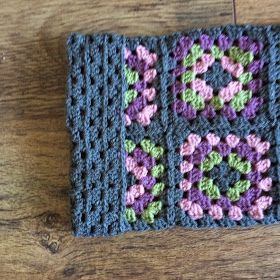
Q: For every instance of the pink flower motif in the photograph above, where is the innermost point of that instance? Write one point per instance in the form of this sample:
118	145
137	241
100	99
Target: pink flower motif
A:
195	211
149	93
144	117
213	139
263	165
228	92
253	140
194	139
185	185
134	192
185	167
262	147
232	140
149	75
187	149
265	184
216	212
235	213
185	204
256	212
264	202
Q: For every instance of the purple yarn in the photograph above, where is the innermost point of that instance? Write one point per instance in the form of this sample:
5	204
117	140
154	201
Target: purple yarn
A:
195	175
243	150
179	70
142	202
132	112
244	43
255	66
253	105
178	87
186	43
223	149
148	182
209	112
196	195
224	42
141	67
189	112
143	158
224	202
229	112
254	176
206	42
256	47
132	61
255	85
140	85
179	106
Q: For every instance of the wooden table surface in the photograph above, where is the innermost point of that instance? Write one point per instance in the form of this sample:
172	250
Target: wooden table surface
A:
35	230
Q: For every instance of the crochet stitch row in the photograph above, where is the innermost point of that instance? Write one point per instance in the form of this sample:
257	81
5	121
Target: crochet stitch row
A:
174	130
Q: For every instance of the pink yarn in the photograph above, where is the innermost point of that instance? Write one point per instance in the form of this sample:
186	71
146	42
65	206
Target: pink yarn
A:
187	149
235	213
265	184
149	93
263	165
205	91
232	140
213	139
185	185
216	212
185	167
149	75
195	211
228	92
144	117
134	192
194	139
235	69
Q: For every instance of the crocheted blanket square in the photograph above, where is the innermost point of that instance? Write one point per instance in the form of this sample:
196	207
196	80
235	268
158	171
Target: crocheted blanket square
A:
175	130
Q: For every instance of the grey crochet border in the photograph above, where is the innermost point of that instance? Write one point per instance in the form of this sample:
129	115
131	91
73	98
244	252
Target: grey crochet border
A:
95	121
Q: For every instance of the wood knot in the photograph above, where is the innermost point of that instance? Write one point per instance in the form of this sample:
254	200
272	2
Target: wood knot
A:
50	245
50	219
69	271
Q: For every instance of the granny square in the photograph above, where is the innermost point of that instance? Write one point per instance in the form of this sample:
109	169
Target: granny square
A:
175	130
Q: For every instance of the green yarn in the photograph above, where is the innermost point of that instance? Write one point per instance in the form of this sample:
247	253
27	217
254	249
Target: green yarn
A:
207	185
244	167
238	188
216	52
214	158
129	146
157	171
196	51
239	101
238	55
151	211
130	215
187	77
194	99
189	60
147	145
242	185
245	78
156	152
233	194
131	76
129	96
217	103
157	189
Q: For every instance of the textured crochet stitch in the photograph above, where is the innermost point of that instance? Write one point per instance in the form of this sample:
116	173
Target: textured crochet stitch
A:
176	130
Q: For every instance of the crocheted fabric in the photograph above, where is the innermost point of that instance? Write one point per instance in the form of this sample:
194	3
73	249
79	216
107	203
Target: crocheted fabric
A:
174	130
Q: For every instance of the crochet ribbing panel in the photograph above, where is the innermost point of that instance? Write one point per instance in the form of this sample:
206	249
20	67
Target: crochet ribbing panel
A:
173	130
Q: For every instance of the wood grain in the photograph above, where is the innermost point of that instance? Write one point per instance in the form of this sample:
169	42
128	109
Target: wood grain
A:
257	11
35	231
